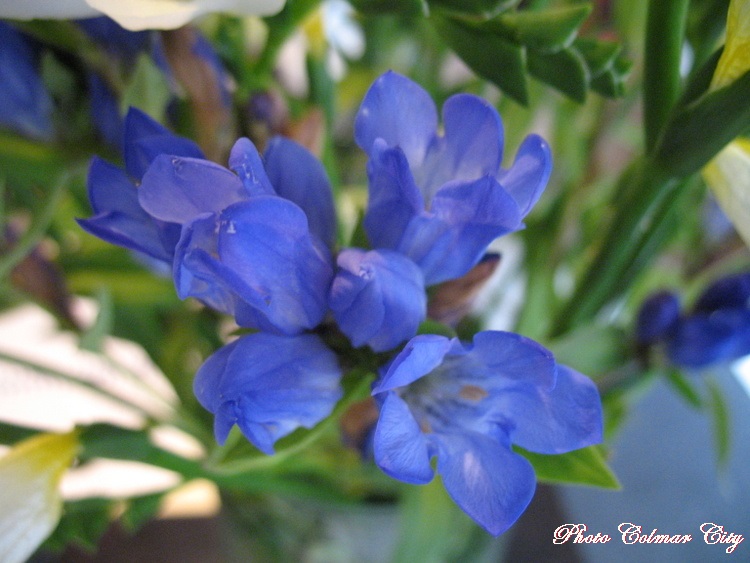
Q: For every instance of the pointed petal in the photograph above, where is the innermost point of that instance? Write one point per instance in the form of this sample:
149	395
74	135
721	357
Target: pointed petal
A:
528	176
400	112
486	479
247	164
508	357
565	418
300	177
400	448
179	189
706	338
420	356
394	199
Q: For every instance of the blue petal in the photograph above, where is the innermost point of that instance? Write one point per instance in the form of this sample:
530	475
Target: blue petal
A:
196	272
269	386
105	111
526	179
119	218
145	139
401	113
420	356
554	421
401	450
25	104
178	189
706	338
471	148
465	218
300	177
657	317
486	479
245	160
394	199
728	292
116	40
265	241
377	298
499	358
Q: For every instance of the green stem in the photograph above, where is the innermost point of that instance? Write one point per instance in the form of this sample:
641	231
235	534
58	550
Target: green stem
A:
665	34
31	238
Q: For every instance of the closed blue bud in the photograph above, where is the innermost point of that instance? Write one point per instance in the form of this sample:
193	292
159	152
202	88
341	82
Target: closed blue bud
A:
466	405
441	199
657	317
269	386
377	298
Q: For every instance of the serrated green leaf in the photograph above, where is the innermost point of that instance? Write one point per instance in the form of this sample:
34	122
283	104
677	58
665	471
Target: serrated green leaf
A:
545	30
483	8
579	467
490	56
565	70
600	56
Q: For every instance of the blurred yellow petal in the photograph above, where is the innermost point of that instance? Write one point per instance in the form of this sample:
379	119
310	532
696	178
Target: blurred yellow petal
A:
735	60
136	15
728	176
30	501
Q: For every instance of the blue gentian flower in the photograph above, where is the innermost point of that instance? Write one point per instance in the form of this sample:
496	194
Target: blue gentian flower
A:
249	247
25	105
440	199
377	297
118	216
118	41
467	404
269	386
716	330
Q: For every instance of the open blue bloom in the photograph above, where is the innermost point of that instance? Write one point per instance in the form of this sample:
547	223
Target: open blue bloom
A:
25	104
466	404
269	386
377	297
441	199
249	247
118	216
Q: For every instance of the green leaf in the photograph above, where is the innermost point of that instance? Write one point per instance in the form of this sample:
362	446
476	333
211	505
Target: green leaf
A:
600	56
11	433
484	8
592	349
83	524
721	424
565	70
492	57
579	467
430	326
147	89
545	30
698	131
140	510
93	338
611	83
684	388
379	7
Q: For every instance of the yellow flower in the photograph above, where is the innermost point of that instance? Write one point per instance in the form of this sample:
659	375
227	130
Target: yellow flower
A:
728	174
30	501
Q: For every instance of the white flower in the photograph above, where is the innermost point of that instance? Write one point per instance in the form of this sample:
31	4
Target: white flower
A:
135	15
31	504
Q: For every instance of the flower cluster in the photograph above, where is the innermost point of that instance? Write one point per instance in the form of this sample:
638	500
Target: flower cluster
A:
257	241
717	329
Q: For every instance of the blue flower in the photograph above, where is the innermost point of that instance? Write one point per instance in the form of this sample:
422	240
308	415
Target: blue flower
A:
466	404
118	216
377	298
269	386
249	247
657	317
118	41
25	104
716	330
441	199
